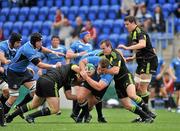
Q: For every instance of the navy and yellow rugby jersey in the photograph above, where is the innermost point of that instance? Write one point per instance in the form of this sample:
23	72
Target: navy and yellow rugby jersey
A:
146	52
116	59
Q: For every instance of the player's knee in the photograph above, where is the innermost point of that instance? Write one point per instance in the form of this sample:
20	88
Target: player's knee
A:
54	110
80	98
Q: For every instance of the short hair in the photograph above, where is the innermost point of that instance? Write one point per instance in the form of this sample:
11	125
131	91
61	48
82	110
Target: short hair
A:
106	42
55	36
104	63
131	19
14	37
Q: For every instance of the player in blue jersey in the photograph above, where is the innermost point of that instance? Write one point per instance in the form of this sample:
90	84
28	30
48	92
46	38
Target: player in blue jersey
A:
7	52
175	65
86	92
77	50
52	58
17	72
55	46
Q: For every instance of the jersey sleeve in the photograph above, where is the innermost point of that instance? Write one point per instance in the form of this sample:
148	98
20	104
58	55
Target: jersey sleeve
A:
107	78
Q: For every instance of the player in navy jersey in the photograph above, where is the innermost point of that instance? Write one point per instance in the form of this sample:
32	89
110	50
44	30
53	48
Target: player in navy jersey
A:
7	52
145	56
17	72
48	86
124	82
175	65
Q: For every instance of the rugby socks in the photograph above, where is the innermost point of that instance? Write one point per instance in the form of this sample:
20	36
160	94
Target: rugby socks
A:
142	104
26	99
99	109
2	119
3	99
85	110
139	111
145	97
20	110
77	109
43	112
7	107
74	105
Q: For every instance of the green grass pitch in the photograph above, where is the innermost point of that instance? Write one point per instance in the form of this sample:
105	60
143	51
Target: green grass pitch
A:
118	120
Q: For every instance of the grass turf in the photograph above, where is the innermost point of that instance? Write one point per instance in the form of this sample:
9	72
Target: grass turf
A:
118	120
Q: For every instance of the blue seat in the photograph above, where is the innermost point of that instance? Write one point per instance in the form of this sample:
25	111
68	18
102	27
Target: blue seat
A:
49	3
26	29
58	3
167	9
52	13
24	39
95	2
114	38
104	2
46	28
113	11
23	13
102	13
76	2
92	14
161	2
7	27
43	12
17	27
46	41
114	2
33	13
98	24
72	13
172	1
86	3
107	26
13	14
68	3
118	26
40	3
1	25
123	38
3	14
37	26
64	10
5	3
83	10
100	38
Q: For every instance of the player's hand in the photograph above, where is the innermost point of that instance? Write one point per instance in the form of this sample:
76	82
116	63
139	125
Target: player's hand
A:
82	53
58	53
84	74
1	70
129	59
122	47
7	61
58	64
174	78
39	72
158	77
